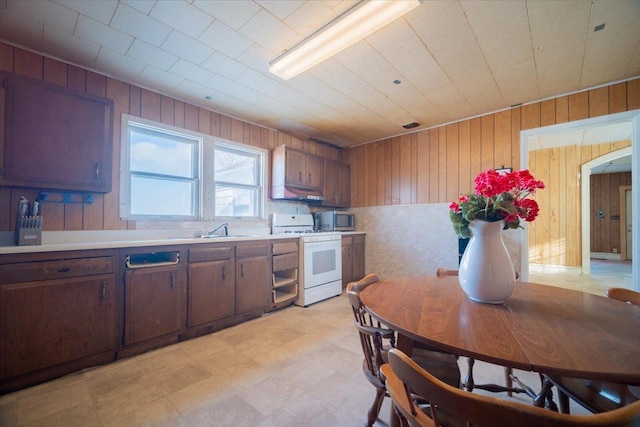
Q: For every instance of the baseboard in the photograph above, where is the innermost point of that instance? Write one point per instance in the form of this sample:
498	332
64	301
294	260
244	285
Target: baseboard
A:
606	255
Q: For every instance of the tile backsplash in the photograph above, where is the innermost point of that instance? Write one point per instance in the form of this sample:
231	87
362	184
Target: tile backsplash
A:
410	240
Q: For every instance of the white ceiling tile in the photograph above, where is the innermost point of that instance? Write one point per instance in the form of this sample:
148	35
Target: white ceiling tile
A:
281	9
100	33
233	13
191	71
48	12
101	11
153	77
223	38
182	16
65	45
21	30
151	55
119	65
186	47
139	25
143	6
268	31
310	17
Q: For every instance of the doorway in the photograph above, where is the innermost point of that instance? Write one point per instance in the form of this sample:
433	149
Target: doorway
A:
585	128
585	185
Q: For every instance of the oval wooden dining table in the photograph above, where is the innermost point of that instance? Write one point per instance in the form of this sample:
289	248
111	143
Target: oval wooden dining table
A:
539	328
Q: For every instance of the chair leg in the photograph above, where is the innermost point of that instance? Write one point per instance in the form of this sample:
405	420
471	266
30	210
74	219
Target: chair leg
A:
374	411
564	402
508	379
468	381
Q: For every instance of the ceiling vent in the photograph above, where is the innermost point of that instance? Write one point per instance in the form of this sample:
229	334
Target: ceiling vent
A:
411	125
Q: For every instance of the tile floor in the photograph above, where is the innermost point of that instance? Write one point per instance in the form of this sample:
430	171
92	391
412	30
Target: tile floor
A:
295	367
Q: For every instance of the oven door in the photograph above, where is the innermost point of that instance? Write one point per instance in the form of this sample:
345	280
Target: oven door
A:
322	262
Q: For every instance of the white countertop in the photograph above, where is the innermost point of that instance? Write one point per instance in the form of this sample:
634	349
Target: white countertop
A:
54	241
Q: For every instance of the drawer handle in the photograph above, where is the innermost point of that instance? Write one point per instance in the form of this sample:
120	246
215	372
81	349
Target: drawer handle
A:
64	270
224	273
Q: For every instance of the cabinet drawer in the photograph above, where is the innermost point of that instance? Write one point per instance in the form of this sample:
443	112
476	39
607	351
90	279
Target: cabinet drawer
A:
285	247
358	238
210	254
243	251
347	240
285	262
59	269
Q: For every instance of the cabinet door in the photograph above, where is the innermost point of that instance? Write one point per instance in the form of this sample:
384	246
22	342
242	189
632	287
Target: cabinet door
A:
295	167
253	284
358	261
315	166
347	260
211	292
331	184
153	302
56	138
46	323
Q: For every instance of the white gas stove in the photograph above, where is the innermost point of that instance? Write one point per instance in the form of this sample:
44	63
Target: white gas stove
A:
320	255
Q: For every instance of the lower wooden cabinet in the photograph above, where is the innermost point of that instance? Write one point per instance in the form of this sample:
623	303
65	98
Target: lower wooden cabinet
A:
211	291
253	277
64	311
58	315
153	303
358	256
353	256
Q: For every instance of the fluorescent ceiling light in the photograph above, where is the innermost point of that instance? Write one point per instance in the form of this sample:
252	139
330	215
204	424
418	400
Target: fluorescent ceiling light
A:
365	18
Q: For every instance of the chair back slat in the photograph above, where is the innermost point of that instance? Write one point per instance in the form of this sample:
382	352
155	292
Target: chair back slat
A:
480	410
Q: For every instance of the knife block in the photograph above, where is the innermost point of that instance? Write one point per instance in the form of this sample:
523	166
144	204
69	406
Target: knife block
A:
29	230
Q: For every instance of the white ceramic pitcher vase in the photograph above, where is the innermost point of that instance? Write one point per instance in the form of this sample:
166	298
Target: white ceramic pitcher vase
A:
486	272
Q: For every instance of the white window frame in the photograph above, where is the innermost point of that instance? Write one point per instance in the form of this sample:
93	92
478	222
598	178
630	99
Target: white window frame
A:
126	174
251	151
205	183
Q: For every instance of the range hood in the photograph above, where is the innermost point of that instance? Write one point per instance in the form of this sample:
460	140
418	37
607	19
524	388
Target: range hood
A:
282	192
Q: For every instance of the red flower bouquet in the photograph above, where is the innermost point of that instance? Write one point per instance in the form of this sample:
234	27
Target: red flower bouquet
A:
498	196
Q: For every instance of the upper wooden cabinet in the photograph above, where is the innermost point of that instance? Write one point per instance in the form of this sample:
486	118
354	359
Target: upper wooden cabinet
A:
296	174
337	184
54	138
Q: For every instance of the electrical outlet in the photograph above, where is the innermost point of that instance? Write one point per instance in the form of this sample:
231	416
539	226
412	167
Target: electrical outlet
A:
615	250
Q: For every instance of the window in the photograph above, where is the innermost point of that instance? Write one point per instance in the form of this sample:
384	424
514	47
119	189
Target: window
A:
168	173
160	176
238	176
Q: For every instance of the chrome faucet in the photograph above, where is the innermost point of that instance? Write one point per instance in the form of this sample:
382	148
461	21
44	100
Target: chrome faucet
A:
224	227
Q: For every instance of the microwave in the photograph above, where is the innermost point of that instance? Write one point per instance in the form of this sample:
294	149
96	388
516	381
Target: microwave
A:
337	221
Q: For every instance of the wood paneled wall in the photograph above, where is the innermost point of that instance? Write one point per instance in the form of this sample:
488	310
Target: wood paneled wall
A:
133	100
605	196
436	165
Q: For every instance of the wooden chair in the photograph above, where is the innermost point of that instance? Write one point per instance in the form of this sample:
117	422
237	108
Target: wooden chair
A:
376	339
451	406
469	383
597	396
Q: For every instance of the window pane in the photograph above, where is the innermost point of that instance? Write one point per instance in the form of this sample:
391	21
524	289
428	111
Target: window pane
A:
236	201
235	167
166	154
152	196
